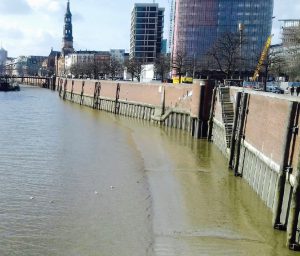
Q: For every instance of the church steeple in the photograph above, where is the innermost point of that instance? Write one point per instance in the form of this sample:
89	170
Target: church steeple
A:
68	32
68	7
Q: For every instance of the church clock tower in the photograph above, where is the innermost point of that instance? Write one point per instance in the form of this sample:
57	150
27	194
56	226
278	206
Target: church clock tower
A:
68	33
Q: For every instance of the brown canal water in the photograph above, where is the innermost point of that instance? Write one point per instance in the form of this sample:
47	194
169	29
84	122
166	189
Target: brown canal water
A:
74	181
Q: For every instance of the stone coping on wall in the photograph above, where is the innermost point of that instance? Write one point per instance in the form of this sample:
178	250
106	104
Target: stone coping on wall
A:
267	94
158	84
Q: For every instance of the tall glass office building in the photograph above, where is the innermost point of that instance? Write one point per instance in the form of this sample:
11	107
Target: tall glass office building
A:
147	21
199	23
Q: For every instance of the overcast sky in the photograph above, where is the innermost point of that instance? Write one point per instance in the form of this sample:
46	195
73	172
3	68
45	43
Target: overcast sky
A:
32	27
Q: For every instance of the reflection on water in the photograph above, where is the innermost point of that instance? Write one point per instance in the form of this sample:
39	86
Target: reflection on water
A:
75	181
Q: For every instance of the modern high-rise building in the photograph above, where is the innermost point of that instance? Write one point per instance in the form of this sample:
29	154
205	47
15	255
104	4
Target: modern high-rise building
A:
68	33
199	23
164	46
147	23
172	18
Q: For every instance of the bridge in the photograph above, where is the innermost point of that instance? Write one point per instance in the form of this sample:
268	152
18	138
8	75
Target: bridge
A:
41	81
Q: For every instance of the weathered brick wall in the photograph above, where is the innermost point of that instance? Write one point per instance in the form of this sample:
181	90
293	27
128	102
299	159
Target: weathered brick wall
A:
262	150
175	95
266	121
296	149
266	125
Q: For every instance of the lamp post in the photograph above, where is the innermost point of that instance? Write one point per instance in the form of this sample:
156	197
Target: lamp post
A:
241	29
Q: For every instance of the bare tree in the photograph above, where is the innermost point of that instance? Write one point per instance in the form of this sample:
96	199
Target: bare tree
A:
75	70
181	63
134	68
225	53
275	64
102	68
162	66
129	65
90	69
198	65
83	69
138	69
113	67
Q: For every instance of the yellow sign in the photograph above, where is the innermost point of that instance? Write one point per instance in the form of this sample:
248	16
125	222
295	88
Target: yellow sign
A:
184	79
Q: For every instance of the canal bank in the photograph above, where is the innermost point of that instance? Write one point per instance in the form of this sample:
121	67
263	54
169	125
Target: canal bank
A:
259	134
184	107
103	184
268	161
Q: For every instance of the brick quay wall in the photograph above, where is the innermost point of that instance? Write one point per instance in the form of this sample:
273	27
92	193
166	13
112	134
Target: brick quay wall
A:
184	106
258	133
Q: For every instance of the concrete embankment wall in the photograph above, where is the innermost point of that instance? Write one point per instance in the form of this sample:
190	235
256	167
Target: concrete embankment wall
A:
180	106
262	146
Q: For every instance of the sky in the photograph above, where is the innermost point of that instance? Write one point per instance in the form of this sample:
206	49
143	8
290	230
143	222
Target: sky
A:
33	27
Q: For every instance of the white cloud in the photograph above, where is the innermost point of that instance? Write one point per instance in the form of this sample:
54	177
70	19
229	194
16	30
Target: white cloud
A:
45	5
97	24
13	33
14	7
26	39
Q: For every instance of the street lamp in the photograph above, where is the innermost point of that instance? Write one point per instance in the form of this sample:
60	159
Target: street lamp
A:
241	29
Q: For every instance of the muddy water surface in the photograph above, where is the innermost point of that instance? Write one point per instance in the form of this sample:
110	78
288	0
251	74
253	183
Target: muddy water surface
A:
74	181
